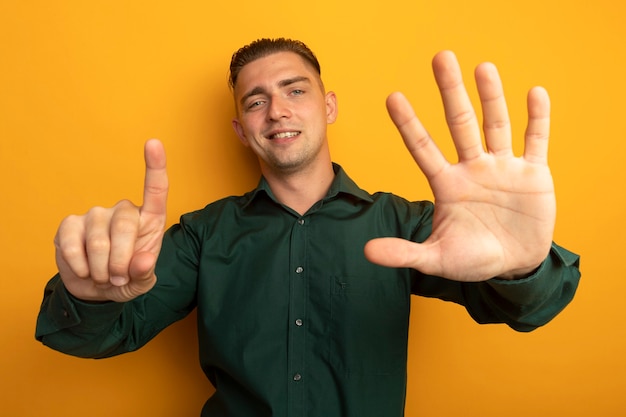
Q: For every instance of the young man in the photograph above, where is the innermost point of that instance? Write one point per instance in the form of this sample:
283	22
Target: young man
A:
303	285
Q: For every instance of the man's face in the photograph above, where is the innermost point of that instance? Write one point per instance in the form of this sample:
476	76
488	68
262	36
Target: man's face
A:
282	112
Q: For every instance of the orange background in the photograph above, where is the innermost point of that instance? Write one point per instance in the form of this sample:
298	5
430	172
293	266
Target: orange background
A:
84	84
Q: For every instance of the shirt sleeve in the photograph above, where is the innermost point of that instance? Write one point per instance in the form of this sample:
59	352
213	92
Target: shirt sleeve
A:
523	304
531	302
75	327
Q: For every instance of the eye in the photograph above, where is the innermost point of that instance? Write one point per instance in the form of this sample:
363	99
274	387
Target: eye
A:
255	104
297	92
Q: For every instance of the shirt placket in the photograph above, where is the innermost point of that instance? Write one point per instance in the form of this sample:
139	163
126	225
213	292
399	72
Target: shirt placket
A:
297	377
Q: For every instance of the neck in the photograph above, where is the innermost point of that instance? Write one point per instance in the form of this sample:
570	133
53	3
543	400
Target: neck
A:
300	190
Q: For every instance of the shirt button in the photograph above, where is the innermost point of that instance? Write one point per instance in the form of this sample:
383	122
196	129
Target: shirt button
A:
301	222
297	377
299	322
299	270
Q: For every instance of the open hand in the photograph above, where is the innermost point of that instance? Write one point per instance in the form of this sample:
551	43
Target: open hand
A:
494	212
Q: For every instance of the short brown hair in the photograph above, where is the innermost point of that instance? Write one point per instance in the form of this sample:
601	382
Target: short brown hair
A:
264	47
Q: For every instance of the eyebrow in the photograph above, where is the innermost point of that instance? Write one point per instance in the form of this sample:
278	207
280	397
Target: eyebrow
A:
282	83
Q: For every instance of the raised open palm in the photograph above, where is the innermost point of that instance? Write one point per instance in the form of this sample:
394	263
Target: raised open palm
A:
494	212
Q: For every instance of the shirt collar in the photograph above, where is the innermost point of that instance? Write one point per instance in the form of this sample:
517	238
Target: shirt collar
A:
342	184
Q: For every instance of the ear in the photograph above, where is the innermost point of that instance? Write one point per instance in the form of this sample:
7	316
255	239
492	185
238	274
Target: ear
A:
331	107
239	131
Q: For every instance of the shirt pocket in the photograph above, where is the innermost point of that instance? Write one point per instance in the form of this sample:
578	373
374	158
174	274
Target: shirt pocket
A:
369	325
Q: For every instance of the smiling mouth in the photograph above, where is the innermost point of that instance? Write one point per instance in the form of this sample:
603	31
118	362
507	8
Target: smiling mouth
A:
284	135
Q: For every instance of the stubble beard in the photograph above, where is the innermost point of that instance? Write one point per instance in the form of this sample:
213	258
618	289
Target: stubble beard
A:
291	162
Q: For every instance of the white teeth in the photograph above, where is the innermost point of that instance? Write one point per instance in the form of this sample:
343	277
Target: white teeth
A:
284	135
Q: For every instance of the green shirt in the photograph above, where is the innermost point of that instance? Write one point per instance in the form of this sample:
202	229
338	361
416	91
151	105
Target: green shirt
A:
292	319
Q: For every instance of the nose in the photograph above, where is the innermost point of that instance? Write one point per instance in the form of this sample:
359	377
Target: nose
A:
278	108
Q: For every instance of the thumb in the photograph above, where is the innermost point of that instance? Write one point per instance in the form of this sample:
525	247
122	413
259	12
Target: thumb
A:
400	253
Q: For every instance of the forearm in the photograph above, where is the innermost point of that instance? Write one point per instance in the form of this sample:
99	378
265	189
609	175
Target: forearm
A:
77	328
98	330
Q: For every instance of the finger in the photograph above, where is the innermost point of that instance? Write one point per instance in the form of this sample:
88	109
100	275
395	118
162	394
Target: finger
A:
69	241
98	243
156	182
460	114
124	230
400	253
538	130
496	123
427	155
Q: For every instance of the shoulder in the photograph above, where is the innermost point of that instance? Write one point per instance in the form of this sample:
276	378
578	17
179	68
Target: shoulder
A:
227	206
401	205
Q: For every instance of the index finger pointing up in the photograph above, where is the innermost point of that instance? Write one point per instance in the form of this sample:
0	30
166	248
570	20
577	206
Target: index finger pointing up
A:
156	182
